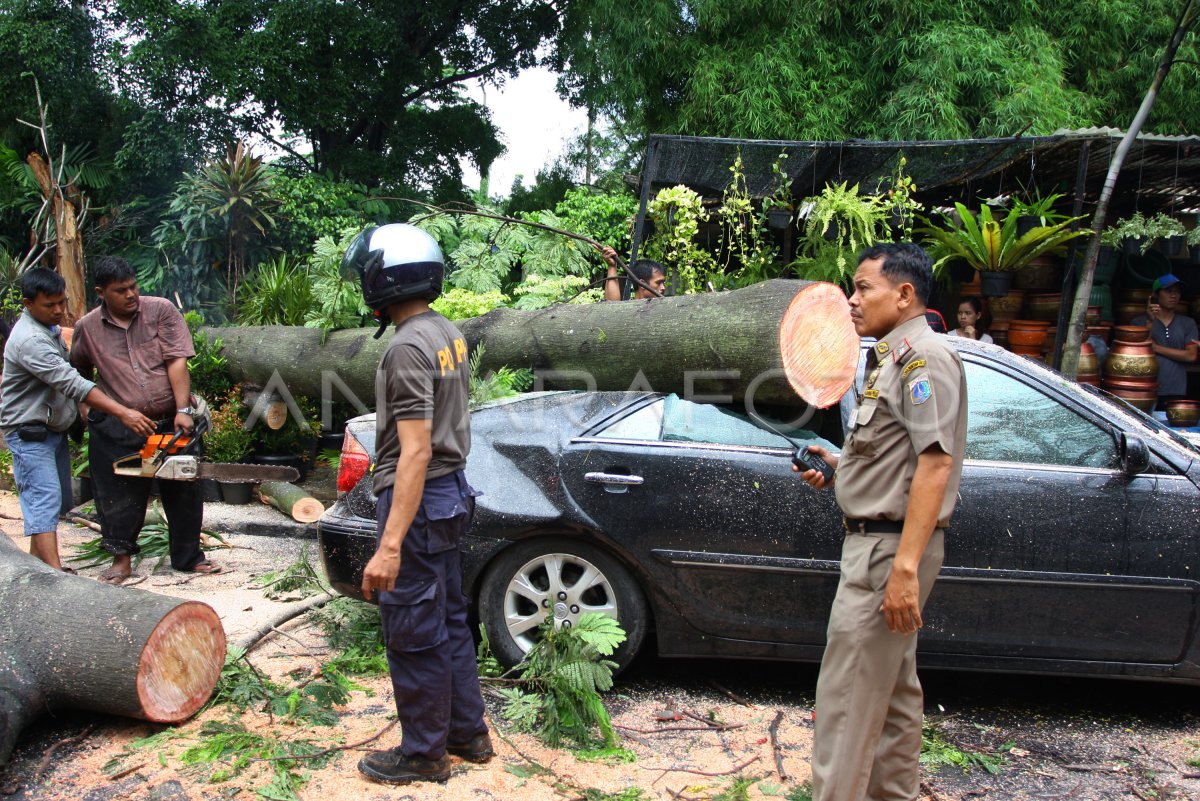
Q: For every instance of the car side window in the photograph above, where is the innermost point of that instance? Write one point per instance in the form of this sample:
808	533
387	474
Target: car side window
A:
1010	421
645	424
684	421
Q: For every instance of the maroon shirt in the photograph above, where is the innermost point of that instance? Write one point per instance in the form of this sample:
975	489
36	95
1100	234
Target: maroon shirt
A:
132	362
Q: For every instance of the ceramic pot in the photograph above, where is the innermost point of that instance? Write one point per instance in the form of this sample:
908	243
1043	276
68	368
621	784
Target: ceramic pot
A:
1174	246
1089	365
1093	315
1184	413
1027	334
1043	306
999	331
1130	361
1008	306
1034	353
1133	334
1106	265
1104	331
1132	245
1138	398
1041	274
1102	297
1134	296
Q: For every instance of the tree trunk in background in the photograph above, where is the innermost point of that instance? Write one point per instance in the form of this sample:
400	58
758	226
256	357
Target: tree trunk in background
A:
68	255
72	643
1083	291
715	346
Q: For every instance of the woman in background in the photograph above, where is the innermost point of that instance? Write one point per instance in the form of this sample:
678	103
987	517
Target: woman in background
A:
969	312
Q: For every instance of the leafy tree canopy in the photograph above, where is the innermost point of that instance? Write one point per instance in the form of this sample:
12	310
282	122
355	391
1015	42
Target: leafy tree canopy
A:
369	88
886	69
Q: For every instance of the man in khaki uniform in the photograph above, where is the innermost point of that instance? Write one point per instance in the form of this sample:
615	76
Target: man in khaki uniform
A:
896	482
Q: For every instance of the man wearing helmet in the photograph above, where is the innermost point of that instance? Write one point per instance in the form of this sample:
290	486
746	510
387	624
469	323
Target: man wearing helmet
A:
423	435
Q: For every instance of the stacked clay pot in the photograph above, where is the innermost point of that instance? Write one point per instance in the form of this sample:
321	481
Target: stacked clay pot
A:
1028	337
1131	369
1089	366
1007	307
999	332
1040	275
1043	306
1184	413
1130	304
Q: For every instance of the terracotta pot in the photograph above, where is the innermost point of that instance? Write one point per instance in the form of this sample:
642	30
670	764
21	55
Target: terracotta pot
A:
1034	353
1093	315
1102	296
1104	331
1043	306
1130	361
1133	334
1139	399
1088	378
1028	334
1043	273
1088	363
1183	413
1006	307
1134	296
1126	313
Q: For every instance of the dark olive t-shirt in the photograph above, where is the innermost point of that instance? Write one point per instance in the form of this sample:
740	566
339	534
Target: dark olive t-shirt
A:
424	375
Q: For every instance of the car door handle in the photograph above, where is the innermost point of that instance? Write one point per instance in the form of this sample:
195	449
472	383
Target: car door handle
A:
621	479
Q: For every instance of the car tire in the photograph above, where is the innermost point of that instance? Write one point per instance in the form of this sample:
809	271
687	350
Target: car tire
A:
543	569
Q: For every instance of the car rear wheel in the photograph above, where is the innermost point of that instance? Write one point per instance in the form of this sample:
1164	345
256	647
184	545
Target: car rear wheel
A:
564	579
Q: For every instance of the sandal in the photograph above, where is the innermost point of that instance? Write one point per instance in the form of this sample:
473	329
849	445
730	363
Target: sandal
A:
207	568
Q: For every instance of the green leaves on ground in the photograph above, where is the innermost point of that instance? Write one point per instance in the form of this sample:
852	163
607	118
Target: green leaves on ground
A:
354	631
563	676
937	751
298	580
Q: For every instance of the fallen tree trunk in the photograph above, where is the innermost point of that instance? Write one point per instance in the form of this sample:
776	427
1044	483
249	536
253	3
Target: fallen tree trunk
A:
71	643
717	345
291	500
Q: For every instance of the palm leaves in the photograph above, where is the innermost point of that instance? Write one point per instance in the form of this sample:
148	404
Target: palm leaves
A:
991	246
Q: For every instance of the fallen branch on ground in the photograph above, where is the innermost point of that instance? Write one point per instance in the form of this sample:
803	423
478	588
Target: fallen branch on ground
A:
333	750
681	728
676	769
44	765
730	694
774	731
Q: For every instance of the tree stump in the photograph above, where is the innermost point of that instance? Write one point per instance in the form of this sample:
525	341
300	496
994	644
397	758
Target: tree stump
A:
72	643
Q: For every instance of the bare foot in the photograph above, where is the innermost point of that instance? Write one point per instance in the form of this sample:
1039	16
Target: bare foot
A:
115	574
206	567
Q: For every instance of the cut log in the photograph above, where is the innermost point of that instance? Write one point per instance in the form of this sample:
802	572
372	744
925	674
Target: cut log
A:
291	500
724	345
71	643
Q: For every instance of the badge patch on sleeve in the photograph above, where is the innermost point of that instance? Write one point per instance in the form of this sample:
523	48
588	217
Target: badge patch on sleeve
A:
920	390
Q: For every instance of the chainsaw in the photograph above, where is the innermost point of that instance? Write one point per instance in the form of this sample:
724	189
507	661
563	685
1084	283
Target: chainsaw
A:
173	457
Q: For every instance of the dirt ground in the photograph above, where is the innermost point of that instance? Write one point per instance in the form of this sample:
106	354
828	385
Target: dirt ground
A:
690	729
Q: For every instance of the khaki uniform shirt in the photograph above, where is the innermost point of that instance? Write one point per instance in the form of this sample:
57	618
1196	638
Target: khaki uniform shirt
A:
914	396
132	362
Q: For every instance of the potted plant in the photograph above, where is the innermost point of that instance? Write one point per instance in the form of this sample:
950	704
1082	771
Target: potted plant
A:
1036	212
838	223
228	441
1193	241
995	249
1137	233
901	204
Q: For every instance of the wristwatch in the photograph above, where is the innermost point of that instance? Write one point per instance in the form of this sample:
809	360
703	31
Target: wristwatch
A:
184	410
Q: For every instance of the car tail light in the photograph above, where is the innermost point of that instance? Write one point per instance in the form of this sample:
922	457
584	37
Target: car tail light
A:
354	464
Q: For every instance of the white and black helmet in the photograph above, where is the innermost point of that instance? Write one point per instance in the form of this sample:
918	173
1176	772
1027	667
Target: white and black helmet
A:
393	263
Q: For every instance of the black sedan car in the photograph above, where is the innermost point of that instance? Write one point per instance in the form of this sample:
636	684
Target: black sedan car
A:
1074	548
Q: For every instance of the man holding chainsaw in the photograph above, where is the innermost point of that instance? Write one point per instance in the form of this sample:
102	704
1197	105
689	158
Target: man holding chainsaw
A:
139	348
39	392
423	435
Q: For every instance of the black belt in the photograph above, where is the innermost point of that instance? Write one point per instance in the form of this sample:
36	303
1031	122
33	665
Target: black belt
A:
855	526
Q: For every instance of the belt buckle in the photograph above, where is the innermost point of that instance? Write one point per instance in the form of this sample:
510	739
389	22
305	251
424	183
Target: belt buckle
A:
859	528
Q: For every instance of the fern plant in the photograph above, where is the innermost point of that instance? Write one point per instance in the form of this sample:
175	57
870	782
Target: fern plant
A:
501	383
563	675
840	222
337	302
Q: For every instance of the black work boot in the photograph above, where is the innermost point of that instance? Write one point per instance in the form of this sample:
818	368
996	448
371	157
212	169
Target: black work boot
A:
393	767
477	749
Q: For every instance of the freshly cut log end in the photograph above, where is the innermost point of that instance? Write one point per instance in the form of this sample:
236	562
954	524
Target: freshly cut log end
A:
180	663
291	500
819	345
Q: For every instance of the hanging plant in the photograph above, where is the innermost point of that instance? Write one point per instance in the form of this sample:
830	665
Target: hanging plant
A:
839	223
674	242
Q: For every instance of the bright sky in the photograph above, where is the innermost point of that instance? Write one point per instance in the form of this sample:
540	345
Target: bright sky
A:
534	125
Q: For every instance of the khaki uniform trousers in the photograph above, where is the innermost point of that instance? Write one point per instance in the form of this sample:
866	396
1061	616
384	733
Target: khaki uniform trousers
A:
869	705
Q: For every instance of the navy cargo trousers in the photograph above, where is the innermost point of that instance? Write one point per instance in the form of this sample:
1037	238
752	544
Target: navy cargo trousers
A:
430	652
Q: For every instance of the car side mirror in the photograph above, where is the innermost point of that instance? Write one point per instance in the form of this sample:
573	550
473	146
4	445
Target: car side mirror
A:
1135	456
